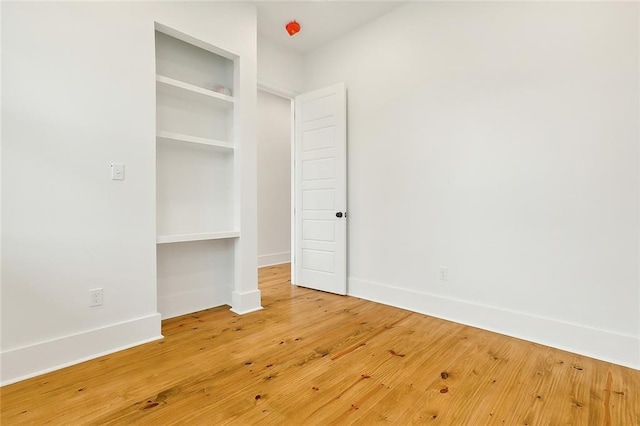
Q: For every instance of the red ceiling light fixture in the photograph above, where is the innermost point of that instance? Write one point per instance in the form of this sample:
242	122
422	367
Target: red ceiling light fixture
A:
292	28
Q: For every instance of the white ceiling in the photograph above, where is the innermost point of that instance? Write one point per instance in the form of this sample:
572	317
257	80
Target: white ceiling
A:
320	21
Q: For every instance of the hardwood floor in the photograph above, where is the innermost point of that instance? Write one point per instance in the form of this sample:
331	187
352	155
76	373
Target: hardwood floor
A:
317	358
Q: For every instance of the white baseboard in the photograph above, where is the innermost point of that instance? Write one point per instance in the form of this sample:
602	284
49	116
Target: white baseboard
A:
244	303
174	305
274	259
30	361
600	344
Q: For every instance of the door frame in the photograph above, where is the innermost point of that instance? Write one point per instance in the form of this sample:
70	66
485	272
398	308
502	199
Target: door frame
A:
290	95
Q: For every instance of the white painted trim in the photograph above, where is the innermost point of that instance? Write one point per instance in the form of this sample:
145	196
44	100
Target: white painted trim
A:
188	302
278	91
192	40
600	344
294	276
40	358
274	259
638	202
244	303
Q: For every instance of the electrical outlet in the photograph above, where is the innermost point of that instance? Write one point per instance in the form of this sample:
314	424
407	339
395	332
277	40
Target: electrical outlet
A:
96	297
117	171
444	273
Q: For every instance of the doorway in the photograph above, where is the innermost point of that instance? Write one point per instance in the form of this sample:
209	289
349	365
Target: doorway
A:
274	148
301	164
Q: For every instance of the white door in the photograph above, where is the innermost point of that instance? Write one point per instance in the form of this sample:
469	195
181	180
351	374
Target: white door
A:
320	185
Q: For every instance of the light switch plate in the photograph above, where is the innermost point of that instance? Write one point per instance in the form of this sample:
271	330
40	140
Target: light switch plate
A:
117	171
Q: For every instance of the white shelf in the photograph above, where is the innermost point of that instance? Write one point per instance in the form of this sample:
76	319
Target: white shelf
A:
162	134
181	238
225	100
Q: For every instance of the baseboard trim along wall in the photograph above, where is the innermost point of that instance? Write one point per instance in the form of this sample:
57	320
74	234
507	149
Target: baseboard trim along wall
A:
274	259
40	358
244	303
174	305
605	345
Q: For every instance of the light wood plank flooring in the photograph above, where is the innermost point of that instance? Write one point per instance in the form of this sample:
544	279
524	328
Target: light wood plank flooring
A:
316	358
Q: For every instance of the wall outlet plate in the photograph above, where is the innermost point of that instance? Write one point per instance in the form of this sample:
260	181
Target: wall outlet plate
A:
96	297
117	171
444	273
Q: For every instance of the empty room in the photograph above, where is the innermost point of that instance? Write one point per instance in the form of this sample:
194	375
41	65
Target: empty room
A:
320	212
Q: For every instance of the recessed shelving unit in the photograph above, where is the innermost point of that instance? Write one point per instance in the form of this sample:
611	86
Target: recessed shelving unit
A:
195	190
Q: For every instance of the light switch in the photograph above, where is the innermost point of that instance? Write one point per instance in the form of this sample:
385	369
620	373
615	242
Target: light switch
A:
117	171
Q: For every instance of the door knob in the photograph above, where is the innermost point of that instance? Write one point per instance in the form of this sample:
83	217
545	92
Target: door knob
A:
339	214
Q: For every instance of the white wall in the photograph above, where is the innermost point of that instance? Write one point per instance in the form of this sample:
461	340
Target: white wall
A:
501	141
279	68
1	133
274	179
79	93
